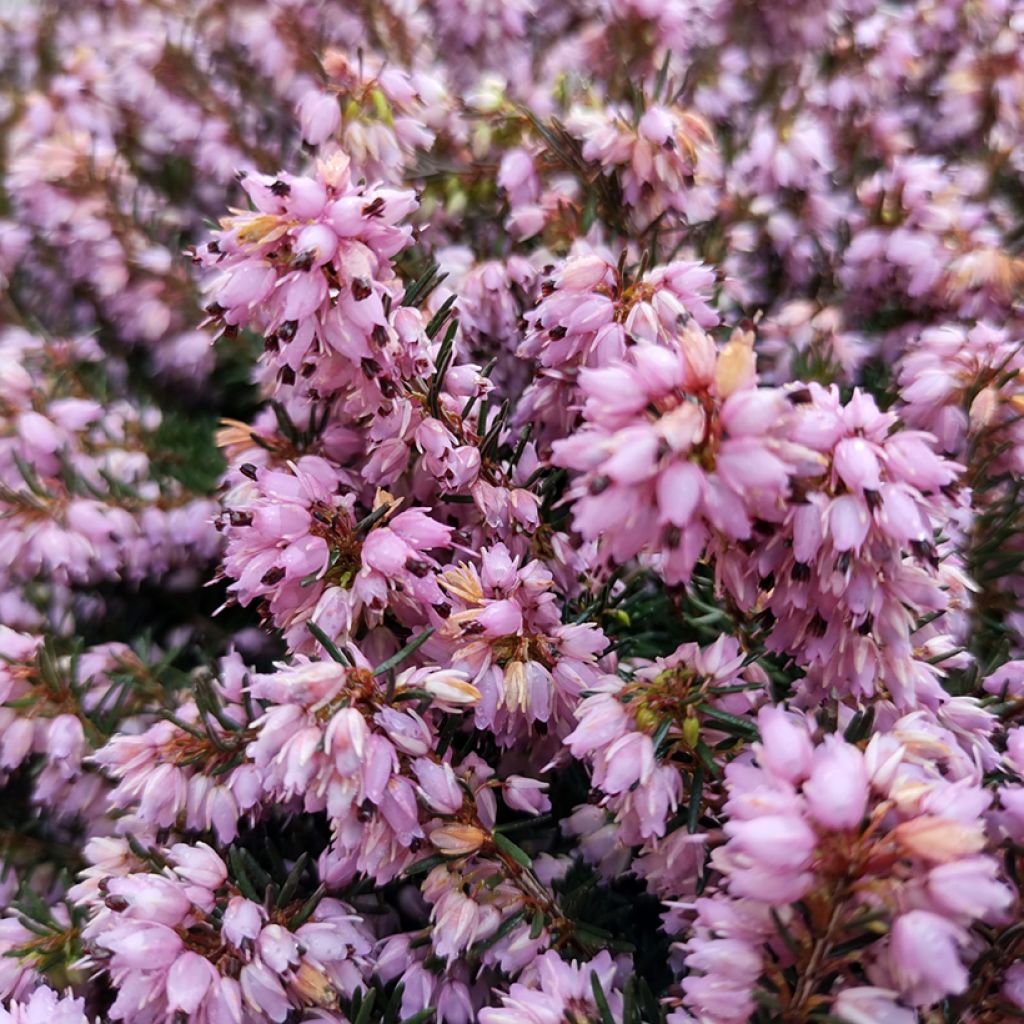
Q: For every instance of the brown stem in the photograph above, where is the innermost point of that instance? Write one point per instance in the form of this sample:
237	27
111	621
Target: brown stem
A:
797	1010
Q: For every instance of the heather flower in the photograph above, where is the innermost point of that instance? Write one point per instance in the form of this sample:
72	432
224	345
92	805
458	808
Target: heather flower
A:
598	836
492	298
340	740
518	178
619	721
54	707
319	116
508	638
854	565
80	498
190	772
590	313
1012	985
479	42
464	911
556	990
829	828
544	620
802	339
311	269
658	157
379	114
18	974
296	543
154	936
869	1005
673	23
959	383
679	452
44	1005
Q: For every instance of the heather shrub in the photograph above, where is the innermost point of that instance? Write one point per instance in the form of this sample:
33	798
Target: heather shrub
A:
511	513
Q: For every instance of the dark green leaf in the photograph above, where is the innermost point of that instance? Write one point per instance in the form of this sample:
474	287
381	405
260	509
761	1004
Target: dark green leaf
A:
507	847
328	645
730	723
400	656
305	912
601	999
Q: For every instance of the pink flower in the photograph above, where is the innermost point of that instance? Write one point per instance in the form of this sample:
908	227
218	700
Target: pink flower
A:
786	749
319	116
145	946
556	987
199	864
924	957
867	1005
188	982
44	1006
653	426
774	840
837	790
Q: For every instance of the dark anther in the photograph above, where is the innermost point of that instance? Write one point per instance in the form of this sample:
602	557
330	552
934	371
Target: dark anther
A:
921	548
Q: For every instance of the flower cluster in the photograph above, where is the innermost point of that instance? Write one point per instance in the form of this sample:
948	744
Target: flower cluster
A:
679	451
83	495
511	513
855	837
187	941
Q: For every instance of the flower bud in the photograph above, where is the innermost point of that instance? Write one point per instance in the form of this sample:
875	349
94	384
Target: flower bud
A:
939	840
458	840
735	369
449	687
